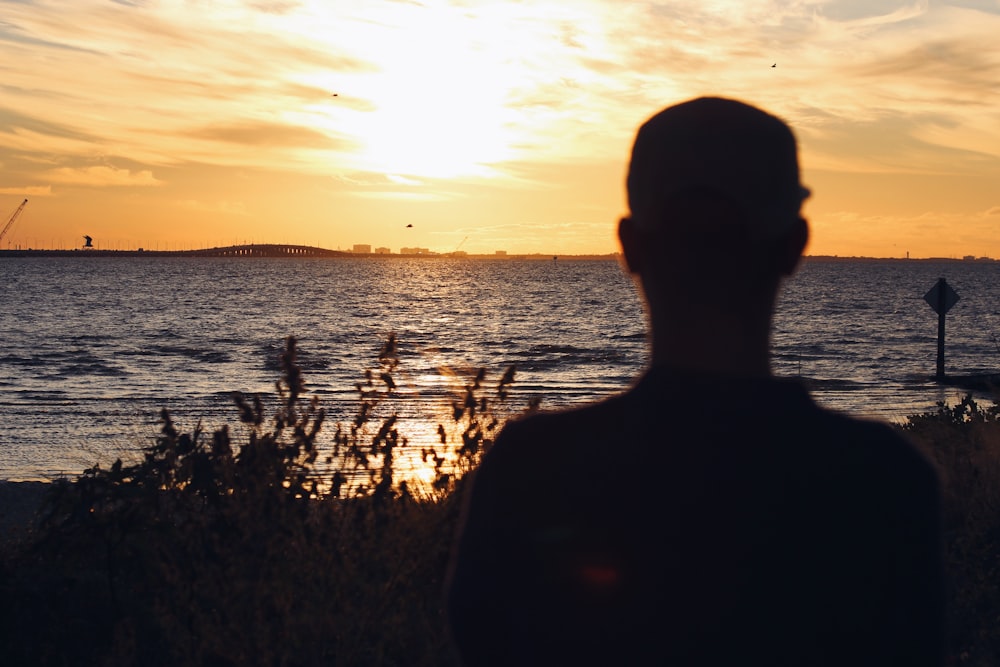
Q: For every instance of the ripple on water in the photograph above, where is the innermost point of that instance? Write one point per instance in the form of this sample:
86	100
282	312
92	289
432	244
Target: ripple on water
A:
112	340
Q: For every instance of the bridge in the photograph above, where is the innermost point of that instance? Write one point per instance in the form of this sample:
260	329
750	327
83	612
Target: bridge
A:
253	250
267	250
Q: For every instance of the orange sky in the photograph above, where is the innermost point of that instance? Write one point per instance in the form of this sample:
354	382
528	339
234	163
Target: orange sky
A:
486	125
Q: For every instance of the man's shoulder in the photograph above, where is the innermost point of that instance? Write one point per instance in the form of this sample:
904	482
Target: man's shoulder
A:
565	426
836	445
883	446
664	408
574	416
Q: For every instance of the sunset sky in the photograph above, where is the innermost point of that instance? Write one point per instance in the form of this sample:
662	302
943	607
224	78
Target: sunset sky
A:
486	125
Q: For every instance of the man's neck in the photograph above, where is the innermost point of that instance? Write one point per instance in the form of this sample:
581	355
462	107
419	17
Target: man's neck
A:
718	345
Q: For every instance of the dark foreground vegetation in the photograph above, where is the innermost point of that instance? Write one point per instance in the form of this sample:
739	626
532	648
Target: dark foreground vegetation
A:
232	548
252	546
964	441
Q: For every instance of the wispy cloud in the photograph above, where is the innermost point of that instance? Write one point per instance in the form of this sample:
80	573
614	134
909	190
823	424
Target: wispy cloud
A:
28	191
262	133
402	195
450	96
102	176
584	73
278	7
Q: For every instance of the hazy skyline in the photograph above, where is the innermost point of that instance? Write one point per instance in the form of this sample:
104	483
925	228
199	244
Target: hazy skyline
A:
485	125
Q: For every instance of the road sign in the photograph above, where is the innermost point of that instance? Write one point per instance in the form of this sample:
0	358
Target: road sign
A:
941	297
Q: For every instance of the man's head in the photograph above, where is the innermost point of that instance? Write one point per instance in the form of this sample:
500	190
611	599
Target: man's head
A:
715	179
722	147
715	198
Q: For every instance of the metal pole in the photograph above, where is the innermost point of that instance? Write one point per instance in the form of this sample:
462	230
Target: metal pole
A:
942	288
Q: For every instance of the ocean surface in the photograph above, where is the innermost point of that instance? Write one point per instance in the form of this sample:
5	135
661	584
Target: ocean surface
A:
93	347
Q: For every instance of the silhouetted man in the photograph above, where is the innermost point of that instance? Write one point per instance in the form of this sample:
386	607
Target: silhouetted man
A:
712	514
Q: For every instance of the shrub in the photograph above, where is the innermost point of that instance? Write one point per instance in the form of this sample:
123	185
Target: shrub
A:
259	545
209	552
964	441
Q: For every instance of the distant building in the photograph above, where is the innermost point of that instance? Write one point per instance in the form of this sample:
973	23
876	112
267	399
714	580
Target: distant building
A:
382	251
501	253
415	251
362	249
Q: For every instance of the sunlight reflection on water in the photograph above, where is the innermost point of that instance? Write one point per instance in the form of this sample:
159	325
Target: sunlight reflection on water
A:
94	347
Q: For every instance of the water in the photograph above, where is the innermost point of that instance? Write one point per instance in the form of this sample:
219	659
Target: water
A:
864	338
94	347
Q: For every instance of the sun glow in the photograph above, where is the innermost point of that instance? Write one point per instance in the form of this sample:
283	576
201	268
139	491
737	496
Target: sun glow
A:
453	92
435	102
505	122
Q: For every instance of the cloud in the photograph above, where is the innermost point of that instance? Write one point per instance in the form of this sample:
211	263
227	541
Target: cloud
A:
451	87
102	176
891	142
373	179
988	6
354	103
11	120
961	65
868	13
402	180
35	148
361	178
29	191
15	35
406	196
263	133
276	7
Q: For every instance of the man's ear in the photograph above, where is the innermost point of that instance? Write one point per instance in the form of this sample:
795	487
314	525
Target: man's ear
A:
629	239
794	246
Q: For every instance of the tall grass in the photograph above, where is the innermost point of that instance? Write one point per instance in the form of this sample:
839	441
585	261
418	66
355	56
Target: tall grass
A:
259	545
964	441
210	551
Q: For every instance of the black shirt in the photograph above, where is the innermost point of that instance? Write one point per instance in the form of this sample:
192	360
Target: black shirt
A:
667	526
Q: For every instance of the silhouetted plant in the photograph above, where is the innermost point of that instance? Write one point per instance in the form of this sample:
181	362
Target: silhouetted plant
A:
260	545
964	441
476	421
223	549
351	448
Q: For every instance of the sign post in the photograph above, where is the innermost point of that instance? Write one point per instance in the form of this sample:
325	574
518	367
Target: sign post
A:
941	298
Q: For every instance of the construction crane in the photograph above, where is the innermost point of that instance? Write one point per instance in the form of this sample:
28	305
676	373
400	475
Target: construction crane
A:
10	223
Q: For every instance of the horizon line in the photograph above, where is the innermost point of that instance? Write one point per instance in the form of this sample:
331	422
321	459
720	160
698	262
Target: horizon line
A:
293	250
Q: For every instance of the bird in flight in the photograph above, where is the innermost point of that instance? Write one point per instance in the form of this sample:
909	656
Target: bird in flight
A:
774	65
409	225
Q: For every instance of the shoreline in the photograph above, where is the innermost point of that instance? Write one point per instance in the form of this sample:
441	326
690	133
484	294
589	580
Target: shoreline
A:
258	251
270	251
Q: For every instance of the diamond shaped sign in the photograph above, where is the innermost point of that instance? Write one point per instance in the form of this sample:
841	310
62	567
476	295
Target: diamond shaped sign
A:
941	297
